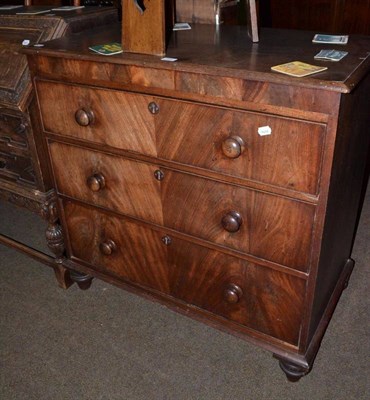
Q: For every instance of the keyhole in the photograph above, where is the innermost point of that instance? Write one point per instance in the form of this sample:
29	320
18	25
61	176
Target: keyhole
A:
167	240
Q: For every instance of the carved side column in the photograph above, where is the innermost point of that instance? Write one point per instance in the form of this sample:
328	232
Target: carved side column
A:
55	241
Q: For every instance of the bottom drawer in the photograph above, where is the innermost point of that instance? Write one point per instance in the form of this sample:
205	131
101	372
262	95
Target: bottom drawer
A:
265	300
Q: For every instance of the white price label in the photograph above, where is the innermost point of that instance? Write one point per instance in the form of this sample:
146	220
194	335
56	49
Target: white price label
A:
264	130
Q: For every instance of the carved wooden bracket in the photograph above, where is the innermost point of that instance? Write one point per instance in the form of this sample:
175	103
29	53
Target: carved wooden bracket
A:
53	233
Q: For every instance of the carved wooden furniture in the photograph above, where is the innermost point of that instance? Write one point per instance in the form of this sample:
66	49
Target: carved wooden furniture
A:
23	175
213	185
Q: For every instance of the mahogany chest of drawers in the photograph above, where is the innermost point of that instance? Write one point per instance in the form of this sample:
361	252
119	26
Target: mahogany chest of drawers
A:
221	189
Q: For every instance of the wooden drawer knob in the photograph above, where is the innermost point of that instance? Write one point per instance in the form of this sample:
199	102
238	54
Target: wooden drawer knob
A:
84	117
232	221
233	293
108	247
233	147
21	128
96	182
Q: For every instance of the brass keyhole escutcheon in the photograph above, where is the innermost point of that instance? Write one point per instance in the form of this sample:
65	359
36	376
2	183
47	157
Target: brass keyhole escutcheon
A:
159	175
153	107
166	240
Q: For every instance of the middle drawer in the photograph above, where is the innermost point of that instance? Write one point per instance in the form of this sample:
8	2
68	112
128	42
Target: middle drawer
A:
268	226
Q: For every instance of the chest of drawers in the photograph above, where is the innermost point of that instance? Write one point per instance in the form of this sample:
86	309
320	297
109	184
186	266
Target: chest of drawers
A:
212	185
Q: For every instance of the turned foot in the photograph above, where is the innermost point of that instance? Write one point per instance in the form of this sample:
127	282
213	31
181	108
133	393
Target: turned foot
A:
292	371
63	276
83	281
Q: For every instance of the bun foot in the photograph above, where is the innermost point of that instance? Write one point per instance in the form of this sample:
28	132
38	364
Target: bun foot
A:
292	371
83	281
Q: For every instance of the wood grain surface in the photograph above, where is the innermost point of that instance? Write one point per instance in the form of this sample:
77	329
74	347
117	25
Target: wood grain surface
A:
270	301
289	157
145	31
130	187
192	134
273	227
121	120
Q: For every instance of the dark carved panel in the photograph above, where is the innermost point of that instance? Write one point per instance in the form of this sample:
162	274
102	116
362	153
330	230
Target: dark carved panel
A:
16	168
15	160
14	80
22	166
12	133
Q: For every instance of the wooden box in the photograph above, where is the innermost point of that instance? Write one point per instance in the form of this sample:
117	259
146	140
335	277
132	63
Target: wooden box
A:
147	25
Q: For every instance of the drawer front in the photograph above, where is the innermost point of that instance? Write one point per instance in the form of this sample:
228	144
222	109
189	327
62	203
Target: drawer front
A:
273	150
272	227
120	248
268	226
265	300
109	117
113	182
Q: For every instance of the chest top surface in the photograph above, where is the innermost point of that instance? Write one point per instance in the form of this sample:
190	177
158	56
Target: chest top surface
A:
228	51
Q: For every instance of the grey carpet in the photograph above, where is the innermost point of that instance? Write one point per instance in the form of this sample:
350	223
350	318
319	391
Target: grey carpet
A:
105	343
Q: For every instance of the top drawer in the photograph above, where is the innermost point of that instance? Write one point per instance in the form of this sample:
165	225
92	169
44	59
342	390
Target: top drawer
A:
278	151
109	117
274	150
